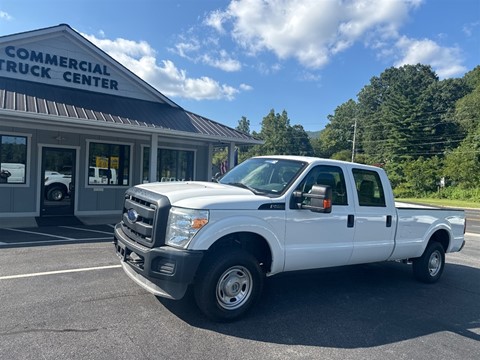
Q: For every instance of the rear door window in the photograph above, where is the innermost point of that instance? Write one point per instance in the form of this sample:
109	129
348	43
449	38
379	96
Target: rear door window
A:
369	188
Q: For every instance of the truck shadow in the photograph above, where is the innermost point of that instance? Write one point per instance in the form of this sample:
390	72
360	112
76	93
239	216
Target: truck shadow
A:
353	307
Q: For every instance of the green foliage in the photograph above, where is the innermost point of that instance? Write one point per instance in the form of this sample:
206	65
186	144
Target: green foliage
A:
243	125
418	128
462	165
456	193
338	134
421	177
344	155
282	139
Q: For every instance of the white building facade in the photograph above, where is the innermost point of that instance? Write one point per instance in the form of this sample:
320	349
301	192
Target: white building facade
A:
77	129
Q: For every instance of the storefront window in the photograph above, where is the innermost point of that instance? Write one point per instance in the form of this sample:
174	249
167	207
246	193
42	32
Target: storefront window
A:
172	165
13	159
108	164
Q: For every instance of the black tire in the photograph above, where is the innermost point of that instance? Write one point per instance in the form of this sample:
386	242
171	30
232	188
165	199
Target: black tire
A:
56	193
228	285
429	267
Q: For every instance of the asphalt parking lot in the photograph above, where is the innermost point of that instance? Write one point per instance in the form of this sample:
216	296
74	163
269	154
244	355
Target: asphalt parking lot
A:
51	235
63	295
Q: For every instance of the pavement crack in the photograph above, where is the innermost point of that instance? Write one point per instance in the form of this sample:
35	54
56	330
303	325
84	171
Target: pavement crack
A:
67	330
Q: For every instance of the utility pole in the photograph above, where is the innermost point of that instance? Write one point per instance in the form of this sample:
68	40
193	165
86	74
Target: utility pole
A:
354	136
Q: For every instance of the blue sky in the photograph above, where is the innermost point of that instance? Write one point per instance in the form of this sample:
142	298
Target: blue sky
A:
228	59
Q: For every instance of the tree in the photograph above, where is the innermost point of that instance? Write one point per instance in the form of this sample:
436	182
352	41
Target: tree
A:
280	138
389	111
243	125
463	163
338	134
437	130
421	176
301	144
244	151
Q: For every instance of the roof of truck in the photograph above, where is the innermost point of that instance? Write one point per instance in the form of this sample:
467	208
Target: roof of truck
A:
312	159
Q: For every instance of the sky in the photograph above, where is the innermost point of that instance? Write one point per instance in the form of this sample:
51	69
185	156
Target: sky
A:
224	59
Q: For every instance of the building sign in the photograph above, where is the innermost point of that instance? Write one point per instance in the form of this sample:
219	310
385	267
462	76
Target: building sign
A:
21	61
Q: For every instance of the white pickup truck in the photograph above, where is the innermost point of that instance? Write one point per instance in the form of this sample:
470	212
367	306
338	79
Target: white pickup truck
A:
270	215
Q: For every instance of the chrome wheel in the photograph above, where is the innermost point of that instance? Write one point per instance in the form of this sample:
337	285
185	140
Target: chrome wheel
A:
55	194
228	284
434	263
234	287
429	267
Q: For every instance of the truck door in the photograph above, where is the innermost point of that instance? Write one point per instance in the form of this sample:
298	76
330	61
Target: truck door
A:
374	217
315	240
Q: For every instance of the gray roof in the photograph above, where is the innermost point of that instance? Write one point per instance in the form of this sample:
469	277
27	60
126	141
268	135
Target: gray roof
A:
37	98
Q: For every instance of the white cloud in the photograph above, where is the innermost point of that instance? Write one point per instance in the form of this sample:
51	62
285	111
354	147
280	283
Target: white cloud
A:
140	58
469	29
216	19
446	61
206	52
5	16
223	62
246	87
309	77
311	31
185	48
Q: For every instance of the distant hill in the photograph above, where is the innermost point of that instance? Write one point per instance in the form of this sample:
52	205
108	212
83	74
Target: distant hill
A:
313	134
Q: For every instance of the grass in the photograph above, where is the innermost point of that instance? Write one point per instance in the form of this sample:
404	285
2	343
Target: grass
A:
443	202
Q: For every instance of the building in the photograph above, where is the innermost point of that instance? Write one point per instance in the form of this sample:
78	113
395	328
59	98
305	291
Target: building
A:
77	129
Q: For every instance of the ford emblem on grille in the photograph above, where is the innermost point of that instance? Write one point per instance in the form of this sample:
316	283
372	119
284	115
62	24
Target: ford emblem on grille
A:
132	215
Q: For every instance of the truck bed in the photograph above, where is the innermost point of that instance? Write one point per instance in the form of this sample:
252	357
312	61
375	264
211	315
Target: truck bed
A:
418	222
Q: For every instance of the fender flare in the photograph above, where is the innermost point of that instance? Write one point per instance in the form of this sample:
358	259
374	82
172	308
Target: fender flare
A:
432	230
206	237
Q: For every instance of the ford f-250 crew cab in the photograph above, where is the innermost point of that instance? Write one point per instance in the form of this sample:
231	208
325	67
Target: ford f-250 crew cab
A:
270	215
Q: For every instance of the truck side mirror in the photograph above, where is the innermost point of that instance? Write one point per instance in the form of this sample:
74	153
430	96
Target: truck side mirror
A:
318	199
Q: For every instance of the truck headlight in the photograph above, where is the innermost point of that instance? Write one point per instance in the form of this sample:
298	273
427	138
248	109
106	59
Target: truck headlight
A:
183	224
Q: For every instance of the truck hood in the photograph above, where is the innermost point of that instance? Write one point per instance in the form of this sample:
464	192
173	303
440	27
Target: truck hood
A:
207	195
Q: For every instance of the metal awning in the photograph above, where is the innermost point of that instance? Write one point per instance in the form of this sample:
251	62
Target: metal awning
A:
37	98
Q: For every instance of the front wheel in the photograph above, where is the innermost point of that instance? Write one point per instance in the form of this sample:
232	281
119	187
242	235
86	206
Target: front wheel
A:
228	285
429	267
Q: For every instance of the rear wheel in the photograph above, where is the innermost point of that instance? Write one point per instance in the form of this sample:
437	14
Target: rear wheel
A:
228	285
56	193
429	267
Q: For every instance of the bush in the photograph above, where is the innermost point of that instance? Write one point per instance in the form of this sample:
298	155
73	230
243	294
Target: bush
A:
457	193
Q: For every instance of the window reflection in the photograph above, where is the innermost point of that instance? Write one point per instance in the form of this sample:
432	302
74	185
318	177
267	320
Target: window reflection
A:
13	159
172	165
109	164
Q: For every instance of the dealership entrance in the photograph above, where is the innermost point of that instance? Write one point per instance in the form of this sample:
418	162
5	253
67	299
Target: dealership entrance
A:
57	195
77	129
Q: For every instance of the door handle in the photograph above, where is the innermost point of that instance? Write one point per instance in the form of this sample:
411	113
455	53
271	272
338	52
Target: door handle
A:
389	220
350	221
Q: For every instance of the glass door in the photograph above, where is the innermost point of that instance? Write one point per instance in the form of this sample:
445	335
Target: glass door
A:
58	187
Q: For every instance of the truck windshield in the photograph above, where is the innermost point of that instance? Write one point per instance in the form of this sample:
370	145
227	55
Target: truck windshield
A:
263	175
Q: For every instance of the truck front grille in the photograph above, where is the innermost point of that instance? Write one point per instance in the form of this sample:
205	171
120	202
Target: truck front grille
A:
138	218
145	216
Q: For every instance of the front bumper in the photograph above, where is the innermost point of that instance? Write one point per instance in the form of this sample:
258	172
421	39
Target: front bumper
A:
163	271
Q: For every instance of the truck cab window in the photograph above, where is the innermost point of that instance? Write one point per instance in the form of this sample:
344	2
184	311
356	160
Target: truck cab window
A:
369	188
328	176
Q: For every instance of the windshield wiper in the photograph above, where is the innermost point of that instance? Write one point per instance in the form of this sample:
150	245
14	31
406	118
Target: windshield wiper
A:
244	186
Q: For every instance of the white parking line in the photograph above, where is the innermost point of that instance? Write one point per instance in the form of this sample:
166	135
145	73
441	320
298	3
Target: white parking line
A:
472	234
39	233
89	230
63	240
9	277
